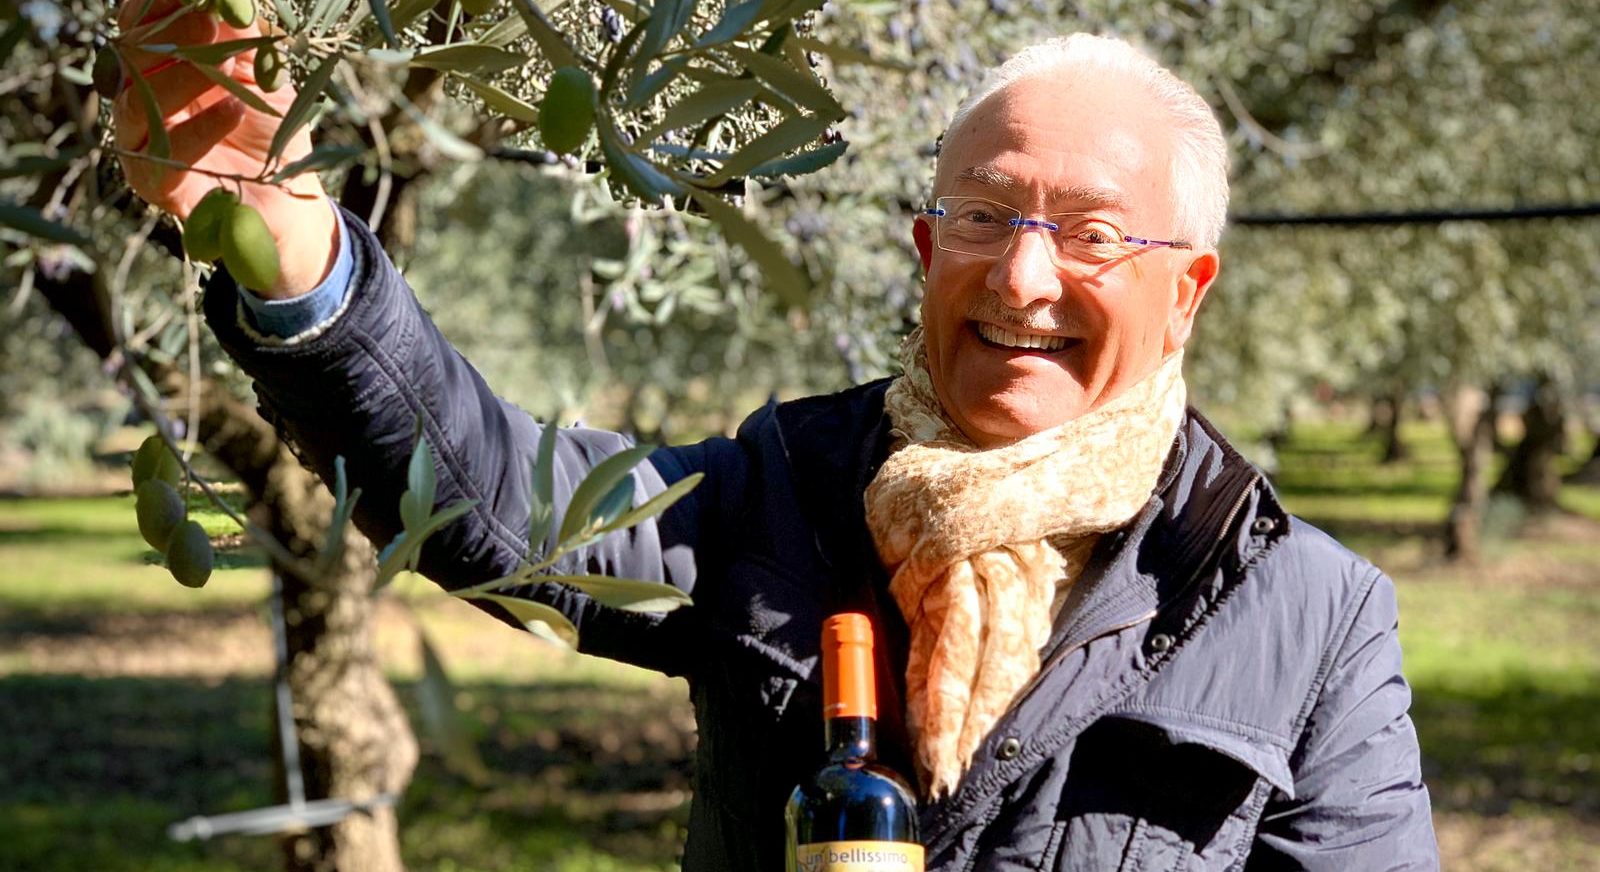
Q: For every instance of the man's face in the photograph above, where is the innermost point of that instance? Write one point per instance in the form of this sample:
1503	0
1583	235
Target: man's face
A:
1093	145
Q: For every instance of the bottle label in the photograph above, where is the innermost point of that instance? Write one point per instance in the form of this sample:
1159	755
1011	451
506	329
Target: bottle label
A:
859	857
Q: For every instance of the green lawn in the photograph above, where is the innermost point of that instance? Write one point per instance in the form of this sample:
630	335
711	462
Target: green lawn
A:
591	758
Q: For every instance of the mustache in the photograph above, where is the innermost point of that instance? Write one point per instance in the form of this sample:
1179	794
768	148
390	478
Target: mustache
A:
1039	318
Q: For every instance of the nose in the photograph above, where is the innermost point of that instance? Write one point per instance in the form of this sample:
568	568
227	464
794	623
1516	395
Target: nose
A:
1026	273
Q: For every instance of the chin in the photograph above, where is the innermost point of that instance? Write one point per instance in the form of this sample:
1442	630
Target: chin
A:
1003	419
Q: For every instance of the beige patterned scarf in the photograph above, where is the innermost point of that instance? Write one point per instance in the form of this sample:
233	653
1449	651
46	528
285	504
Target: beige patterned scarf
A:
979	543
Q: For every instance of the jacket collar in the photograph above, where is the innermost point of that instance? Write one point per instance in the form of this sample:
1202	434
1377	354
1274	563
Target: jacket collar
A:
836	444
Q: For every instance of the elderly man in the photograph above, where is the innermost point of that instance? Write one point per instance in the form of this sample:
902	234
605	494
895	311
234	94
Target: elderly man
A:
1105	643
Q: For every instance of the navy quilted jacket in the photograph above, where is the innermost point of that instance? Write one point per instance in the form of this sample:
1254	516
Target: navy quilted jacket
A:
1223	690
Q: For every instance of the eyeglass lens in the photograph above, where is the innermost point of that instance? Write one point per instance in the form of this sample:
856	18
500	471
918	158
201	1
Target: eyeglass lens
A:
983	228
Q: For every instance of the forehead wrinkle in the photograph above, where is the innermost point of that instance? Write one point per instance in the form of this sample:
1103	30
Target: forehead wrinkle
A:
1076	196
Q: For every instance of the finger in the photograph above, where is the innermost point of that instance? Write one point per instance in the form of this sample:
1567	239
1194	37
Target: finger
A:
176	88
195	137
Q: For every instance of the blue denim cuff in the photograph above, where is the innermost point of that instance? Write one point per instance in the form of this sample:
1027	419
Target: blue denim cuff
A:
289	318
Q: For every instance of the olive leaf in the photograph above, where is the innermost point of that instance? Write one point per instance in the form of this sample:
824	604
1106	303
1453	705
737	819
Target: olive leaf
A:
783	278
468	58
33	223
656	504
380	13
651	85
325	13
237	89
405	549
847	55
794	83
323	157
159	145
500	101
550	41
530	612
708	101
802	163
300	110
407	11
735	19
787	136
217	52
606	476
421	486
436	698
344	505
667	19
637	173
541	493
628	594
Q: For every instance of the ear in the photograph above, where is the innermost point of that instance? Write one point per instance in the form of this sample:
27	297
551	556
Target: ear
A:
922	235
1190	291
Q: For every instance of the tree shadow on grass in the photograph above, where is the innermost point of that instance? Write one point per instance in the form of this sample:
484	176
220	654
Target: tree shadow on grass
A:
93	770
1523	743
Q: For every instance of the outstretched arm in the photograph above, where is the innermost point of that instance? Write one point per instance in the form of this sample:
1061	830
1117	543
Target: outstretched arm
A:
356	385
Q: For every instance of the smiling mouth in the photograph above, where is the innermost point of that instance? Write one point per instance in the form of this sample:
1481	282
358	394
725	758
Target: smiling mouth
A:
999	337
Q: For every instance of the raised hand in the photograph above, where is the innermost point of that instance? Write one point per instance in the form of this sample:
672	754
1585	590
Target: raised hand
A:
215	138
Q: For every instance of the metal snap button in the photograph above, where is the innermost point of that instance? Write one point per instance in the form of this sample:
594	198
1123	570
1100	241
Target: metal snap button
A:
1009	748
1263	526
1160	642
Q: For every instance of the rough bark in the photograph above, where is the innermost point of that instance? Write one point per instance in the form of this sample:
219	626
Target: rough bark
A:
1471	415
1530	474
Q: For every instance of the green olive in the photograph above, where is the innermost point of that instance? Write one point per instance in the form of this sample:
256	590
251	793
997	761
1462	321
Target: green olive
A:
189	554
159	509
567	114
248	248
107	74
239	13
202	232
269	69
154	460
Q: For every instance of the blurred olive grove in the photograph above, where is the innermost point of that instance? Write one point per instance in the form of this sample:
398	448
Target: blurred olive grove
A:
563	280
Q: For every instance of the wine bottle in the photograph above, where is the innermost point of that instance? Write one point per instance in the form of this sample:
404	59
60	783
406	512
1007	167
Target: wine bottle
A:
854	814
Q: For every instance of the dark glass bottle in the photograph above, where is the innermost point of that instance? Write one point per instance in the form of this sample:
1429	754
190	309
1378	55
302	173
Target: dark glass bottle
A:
853	814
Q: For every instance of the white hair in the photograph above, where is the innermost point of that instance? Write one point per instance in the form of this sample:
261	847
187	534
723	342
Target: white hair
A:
1200	152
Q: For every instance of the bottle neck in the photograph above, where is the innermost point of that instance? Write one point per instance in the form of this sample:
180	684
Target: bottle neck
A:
851	738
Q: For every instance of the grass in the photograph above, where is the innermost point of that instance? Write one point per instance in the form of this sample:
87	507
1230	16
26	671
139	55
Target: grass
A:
591	758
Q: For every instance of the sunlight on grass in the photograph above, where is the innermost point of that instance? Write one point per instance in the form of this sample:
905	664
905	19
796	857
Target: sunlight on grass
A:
86	553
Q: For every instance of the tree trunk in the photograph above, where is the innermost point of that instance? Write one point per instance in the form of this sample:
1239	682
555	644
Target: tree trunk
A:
1471	415
1396	448
1530	474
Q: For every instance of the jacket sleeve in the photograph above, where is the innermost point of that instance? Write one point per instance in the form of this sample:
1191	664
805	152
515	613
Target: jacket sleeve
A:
357	387
1359	799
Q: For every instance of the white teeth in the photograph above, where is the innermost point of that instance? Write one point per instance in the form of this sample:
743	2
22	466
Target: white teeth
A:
1000	336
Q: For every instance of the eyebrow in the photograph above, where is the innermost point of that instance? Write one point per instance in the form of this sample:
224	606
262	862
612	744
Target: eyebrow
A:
1092	195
